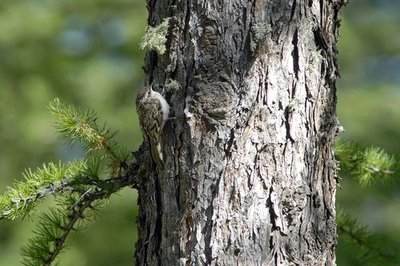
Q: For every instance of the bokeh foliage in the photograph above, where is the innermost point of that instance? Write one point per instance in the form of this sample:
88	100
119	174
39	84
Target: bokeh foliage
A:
368	108
87	53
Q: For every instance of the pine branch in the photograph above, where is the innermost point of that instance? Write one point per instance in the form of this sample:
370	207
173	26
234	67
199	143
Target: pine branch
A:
49	179
76	125
78	182
366	164
369	245
54	230
58	224
15	205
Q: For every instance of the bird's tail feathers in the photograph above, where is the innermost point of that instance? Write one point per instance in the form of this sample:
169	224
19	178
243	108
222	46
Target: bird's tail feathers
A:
157	154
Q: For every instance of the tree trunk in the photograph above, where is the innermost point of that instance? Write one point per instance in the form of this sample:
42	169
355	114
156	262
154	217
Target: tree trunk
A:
250	171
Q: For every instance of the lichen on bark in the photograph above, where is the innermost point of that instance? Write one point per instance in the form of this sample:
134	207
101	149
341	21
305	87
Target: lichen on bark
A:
156	37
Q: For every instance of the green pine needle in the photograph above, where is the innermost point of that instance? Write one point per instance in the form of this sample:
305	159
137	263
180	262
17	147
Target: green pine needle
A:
18	200
367	165
82	126
78	185
375	163
372	249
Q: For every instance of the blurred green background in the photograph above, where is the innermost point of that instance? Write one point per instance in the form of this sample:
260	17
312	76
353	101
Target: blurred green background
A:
86	53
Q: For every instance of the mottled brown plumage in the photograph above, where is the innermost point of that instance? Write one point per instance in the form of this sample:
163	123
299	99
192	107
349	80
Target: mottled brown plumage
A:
153	111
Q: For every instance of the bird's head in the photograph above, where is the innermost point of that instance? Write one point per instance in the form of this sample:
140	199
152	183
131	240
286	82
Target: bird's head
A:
144	94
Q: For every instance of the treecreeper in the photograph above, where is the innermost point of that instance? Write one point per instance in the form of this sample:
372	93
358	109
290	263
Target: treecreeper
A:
153	112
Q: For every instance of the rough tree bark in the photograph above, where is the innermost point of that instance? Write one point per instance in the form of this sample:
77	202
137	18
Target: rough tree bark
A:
250	171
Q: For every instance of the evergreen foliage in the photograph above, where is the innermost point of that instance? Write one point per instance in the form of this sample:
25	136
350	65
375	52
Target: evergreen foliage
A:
371	249
51	178
76	125
78	187
367	165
